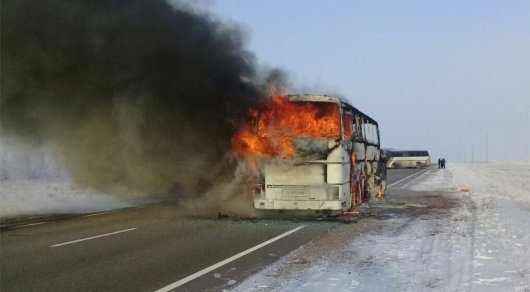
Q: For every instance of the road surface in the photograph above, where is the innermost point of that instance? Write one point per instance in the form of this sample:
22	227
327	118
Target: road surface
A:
152	248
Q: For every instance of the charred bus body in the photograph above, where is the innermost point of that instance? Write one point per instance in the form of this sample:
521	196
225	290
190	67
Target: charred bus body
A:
335	165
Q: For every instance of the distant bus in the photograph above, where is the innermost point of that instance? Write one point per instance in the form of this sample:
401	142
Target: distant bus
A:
407	158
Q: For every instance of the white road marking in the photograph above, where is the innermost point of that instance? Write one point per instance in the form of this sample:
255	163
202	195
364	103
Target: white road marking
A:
95	214
32	224
226	261
414	174
93	237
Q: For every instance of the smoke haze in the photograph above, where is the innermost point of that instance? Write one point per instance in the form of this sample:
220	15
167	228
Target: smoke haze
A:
132	96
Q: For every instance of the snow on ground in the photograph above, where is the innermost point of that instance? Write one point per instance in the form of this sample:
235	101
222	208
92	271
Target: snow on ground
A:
509	180
481	243
50	196
32	182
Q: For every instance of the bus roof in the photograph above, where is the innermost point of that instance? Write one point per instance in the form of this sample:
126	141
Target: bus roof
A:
394	150
328	98
311	97
400	153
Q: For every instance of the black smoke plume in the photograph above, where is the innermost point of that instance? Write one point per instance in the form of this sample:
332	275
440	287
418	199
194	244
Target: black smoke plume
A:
133	95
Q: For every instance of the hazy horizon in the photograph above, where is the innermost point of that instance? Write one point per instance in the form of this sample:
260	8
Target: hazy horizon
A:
436	75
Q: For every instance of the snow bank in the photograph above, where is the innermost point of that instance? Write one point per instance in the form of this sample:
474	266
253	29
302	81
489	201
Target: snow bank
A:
480	244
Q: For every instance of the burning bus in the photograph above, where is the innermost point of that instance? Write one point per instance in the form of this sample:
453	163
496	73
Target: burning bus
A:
311	152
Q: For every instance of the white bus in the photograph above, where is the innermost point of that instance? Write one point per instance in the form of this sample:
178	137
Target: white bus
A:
332	164
407	158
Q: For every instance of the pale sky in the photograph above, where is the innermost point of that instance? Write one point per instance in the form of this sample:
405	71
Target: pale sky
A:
436	75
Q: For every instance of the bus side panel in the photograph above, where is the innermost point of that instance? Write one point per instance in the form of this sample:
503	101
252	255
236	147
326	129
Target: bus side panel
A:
371	153
360	150
338	166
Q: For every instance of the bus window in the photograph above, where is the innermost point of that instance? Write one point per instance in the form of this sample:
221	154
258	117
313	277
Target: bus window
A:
376	134
366	131
347	123
358	128
370	132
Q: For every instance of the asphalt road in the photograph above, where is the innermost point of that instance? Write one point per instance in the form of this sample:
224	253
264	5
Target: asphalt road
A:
150	248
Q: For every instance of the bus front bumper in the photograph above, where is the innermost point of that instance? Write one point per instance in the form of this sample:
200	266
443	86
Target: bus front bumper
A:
264	204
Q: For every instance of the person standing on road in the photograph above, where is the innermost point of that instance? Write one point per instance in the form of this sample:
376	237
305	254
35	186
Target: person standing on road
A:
439	163
443	163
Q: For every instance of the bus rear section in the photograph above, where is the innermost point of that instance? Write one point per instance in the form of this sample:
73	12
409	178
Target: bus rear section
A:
307	185
311	152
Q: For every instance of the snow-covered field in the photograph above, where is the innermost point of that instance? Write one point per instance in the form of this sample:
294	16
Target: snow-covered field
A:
49	196
480	243
33	183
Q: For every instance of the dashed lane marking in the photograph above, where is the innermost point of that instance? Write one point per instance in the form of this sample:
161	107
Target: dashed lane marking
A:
92	237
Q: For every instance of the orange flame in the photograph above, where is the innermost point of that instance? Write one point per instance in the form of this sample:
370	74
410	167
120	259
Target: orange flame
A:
272	128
